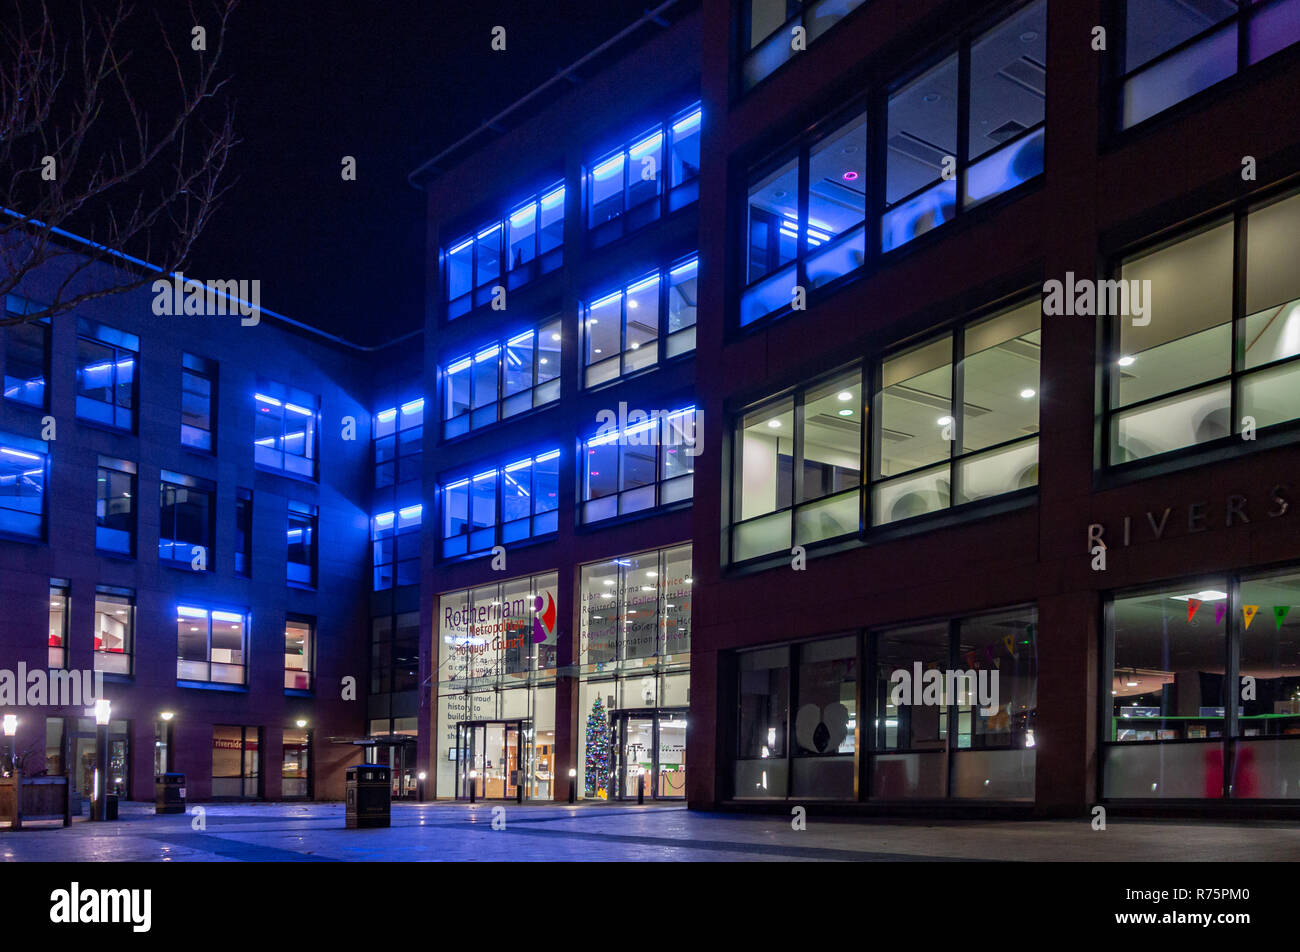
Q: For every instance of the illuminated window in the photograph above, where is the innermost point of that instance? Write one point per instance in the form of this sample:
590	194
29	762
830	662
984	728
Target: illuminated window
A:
211	645
284	433
622	331
58	643
186	526
299	648
198	402
115	512
395	544
1174	50
300	554
106	375
644	179
648	463
767	31
26	355
114	631
399	444
22	487
523	245
518	501
502	380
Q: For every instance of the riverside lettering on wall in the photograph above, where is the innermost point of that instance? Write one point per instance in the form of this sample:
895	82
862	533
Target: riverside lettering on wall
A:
1155	525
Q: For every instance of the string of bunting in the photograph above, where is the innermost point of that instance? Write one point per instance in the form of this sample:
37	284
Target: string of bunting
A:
1248	612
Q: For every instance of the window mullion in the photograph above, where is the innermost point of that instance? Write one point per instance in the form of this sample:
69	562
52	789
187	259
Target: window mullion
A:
963	120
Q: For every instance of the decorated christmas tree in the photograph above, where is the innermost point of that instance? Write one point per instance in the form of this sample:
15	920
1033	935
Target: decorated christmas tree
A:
598	750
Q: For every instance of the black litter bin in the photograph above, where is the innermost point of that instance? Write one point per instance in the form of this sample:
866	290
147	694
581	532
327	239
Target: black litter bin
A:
369	796
169	793
110	806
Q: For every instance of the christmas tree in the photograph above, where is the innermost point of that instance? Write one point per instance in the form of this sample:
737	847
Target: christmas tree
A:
598	749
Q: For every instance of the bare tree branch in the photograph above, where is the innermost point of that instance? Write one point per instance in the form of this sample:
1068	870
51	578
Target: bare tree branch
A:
86	148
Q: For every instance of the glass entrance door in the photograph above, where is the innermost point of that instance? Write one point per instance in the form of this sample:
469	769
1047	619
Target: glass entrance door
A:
400	758
651	748
490	756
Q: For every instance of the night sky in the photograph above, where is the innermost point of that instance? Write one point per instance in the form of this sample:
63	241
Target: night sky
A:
391	83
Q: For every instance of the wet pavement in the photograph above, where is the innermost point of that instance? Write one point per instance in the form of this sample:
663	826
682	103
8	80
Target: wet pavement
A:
283	832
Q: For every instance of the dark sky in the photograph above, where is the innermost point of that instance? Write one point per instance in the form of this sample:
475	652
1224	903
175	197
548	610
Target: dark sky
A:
391	83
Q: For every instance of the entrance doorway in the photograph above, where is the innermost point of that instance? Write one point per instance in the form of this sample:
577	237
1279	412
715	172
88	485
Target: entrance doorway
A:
400	756
495	753
651	745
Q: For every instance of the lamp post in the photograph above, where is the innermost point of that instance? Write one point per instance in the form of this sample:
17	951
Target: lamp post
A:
103	713
573	785
421	776
10	729
640	786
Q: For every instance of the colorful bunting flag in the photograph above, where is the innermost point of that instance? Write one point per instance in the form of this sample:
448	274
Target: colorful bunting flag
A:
1279	613
1219	611
1248	613
1009	642
1192	605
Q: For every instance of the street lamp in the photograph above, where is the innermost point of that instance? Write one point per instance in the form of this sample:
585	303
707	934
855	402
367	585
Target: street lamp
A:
103	713
573	785
421	776
10	729
300	722
473	784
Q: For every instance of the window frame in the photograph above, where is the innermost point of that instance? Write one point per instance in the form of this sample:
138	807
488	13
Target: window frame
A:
660	483
537	391
131	471
309	515
25	449
510	277
120	343
129	641
60	589
309	655
669	195
1238	22
542	523
300	402
742	84
204	369
663	340
190	484
405	523
209	613
1109	345
15	306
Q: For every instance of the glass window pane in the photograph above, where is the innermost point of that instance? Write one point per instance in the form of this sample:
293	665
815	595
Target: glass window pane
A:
1189	306
837	182
549	340
682	295
773	230
487	256
686	148
602	468
1167	682
1152	27
1270	653
642	324
1000	378
458	389
460	269
455	509
518	367
546	482
24	362
914	422
763	690
484	501
825	717
765	461
606	185
922	130
1182	75
1008	79
998	708
1165	425
645	169
522	237
906	725
832	437
551	219
516	491
1272	328
604	328
487	365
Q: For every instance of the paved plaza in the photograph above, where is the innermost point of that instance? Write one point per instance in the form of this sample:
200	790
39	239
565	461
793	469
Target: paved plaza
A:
445	831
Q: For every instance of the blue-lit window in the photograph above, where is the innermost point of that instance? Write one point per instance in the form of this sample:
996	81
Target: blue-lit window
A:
22	488
642	463
648	177
115	510
1172	50
518	501
399	444
805	218
198	402
186	526
106	374
767	31
300	554
284	428
622	331
26	355
211	645
930	174
395	543
526	243
502	380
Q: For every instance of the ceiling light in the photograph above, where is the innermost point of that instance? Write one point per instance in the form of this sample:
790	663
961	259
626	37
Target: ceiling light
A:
846	412
555	337
1126	361
930	97
774	424
844	396
1026	393
944	420
850	176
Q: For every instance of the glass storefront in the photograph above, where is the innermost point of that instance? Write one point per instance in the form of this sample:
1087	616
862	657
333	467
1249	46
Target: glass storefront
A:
1203	697
497	656
295	768
236	762
634	675
72	742
950	709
